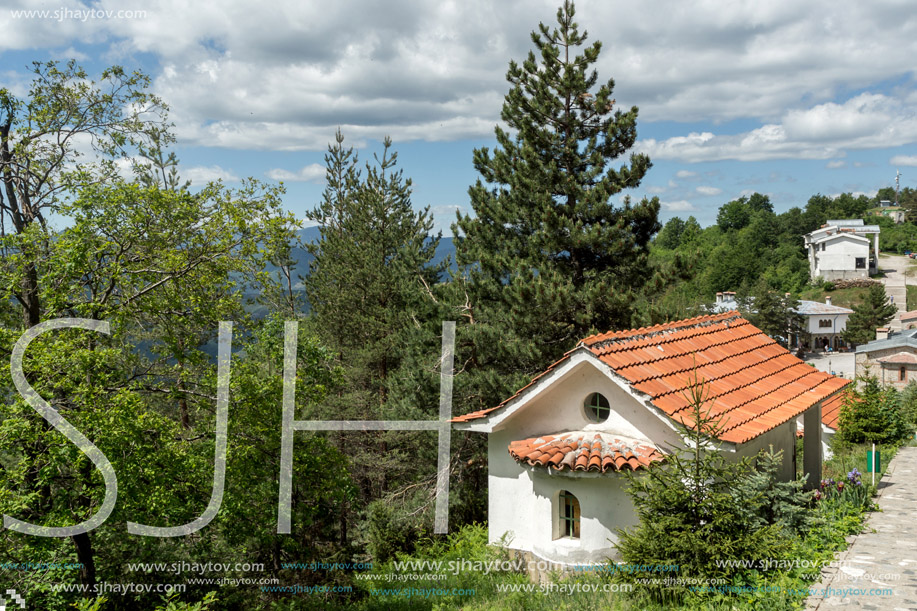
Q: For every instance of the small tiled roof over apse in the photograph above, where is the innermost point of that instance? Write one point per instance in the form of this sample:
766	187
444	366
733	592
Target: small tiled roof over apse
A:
900	358
754	383
585	451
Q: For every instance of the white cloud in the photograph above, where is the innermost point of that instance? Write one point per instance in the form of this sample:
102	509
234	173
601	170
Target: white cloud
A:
656	190
705	190
239	75
837	163
823	131
908	160
202	174
685	174
681	205
314	172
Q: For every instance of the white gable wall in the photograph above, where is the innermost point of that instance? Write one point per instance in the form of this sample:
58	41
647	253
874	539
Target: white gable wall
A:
522	499
838	259
559	406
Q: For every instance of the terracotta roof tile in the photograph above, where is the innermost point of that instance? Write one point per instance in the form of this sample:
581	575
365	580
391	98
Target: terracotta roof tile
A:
755	384
831	410
585	451
901	358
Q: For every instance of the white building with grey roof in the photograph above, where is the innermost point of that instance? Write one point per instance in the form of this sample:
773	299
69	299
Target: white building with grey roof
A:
824	322
843	249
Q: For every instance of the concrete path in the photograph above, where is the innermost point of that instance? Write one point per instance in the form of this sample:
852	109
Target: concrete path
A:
879	568
840	364
898	272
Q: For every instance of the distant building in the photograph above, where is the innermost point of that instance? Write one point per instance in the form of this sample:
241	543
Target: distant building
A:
896	214
824	324
891	357
909	320
840	250
823	327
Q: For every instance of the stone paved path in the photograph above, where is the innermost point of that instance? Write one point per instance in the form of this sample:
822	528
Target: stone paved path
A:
898	272
884	557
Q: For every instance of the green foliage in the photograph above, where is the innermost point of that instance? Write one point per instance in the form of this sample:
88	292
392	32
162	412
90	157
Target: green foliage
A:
171	603
371	291
772	312
547	258
700	511
871	413
766	500
874	311
749	243
907	402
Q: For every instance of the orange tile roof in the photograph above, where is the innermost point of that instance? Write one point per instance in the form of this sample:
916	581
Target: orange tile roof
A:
755	384
584	451
831	410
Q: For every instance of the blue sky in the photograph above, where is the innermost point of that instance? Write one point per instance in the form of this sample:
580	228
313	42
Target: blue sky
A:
781	97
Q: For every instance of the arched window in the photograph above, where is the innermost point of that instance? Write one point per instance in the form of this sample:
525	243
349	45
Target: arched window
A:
568	515
902	374
597	407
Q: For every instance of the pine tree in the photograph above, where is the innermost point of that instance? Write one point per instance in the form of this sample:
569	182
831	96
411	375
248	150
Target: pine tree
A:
548	258
873	311
772	312
705	513
369	289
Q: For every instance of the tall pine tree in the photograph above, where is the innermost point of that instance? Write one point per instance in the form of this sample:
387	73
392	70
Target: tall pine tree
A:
874	310
369	287
548	258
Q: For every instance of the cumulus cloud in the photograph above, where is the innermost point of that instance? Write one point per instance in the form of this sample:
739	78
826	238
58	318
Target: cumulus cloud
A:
681	205
908	160
685	174
240	75
706	190
823	131
837	163
200	174
314	172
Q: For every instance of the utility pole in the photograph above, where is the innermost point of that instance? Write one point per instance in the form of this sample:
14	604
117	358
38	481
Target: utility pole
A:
897	185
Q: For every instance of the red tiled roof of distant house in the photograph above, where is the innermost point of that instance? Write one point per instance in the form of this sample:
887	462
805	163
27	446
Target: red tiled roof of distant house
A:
909	316
755	384
585	451
900	358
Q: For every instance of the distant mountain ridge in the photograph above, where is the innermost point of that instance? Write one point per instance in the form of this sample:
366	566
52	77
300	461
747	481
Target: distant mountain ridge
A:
311	235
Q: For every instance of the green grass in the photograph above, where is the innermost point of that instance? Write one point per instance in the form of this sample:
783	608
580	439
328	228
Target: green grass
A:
844	298
911	297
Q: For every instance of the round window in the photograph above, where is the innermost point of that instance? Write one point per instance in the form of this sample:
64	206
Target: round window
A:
597	407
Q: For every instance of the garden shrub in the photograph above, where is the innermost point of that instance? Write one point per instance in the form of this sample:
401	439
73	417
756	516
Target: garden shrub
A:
692	513
871	414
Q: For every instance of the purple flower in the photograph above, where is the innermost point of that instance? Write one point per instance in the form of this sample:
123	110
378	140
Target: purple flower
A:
840	486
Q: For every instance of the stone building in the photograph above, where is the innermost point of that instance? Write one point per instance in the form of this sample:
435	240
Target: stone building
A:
891	357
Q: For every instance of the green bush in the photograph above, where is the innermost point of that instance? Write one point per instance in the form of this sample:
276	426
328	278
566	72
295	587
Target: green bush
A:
871	414
764	500
706	514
